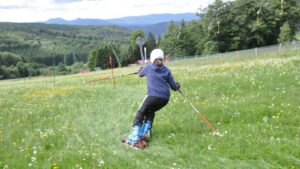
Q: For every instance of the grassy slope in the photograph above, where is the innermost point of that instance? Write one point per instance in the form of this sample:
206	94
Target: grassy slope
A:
254	103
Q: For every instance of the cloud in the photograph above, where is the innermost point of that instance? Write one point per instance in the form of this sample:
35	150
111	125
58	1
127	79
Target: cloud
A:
14	4
11	7
66	1
71	1
42	10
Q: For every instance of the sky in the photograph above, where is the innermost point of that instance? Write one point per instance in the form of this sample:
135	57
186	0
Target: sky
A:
42	10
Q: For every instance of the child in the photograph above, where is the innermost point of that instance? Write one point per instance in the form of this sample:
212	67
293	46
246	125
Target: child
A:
159	79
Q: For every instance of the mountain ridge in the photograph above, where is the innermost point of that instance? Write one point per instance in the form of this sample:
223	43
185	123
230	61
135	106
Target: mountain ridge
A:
142	20
155	23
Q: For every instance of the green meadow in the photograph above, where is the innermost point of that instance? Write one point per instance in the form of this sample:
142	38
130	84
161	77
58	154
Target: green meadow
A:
69	123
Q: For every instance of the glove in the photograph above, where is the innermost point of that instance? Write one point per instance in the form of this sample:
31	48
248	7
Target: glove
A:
178	85
141	68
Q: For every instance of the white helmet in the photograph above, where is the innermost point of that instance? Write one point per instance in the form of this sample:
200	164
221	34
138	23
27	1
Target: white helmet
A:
156	54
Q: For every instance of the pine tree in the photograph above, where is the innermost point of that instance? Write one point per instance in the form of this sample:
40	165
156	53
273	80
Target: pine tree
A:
168	42
134	49
150	43
285	33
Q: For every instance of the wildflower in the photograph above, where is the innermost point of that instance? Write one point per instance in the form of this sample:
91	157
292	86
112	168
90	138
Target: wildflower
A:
55	166
237	114
209	147
265	119
100	163
33	159
218	134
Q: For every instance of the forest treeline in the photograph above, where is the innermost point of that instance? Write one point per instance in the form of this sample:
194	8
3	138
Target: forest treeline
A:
35	48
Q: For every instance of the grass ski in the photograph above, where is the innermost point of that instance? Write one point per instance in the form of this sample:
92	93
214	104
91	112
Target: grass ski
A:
139	146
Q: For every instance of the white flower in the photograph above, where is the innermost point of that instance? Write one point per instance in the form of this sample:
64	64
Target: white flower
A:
172	135
101	162
265	119
217	133
209	147
33	159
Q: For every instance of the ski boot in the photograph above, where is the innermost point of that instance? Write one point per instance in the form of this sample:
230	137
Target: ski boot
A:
133	140
146	132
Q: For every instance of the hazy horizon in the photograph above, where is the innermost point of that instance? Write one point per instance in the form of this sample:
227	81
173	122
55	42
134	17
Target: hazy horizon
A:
43	10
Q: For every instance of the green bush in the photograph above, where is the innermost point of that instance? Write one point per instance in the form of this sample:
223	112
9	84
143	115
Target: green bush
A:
7	58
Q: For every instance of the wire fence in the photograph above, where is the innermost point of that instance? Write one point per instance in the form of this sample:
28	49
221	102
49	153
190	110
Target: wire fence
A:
278	50
273	51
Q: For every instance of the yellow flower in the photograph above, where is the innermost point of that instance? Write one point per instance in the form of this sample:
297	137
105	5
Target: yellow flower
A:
55	166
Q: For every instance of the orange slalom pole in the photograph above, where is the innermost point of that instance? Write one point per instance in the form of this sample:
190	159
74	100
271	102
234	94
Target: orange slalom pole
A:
97	79
108	78
112	71
201	115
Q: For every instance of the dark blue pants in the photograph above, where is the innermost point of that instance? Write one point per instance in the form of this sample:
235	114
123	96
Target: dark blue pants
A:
148	108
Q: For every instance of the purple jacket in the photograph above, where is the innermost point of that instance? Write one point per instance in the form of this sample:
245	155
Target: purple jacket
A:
159	79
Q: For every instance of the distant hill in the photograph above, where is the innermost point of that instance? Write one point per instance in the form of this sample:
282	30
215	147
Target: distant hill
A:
51	44
156	29
155	23
152	19
78	21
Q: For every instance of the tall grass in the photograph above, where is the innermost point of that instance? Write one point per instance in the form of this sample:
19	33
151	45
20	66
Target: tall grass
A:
252	101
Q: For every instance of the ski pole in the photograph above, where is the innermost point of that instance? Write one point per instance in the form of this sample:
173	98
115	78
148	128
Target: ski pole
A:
201	115
108	78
